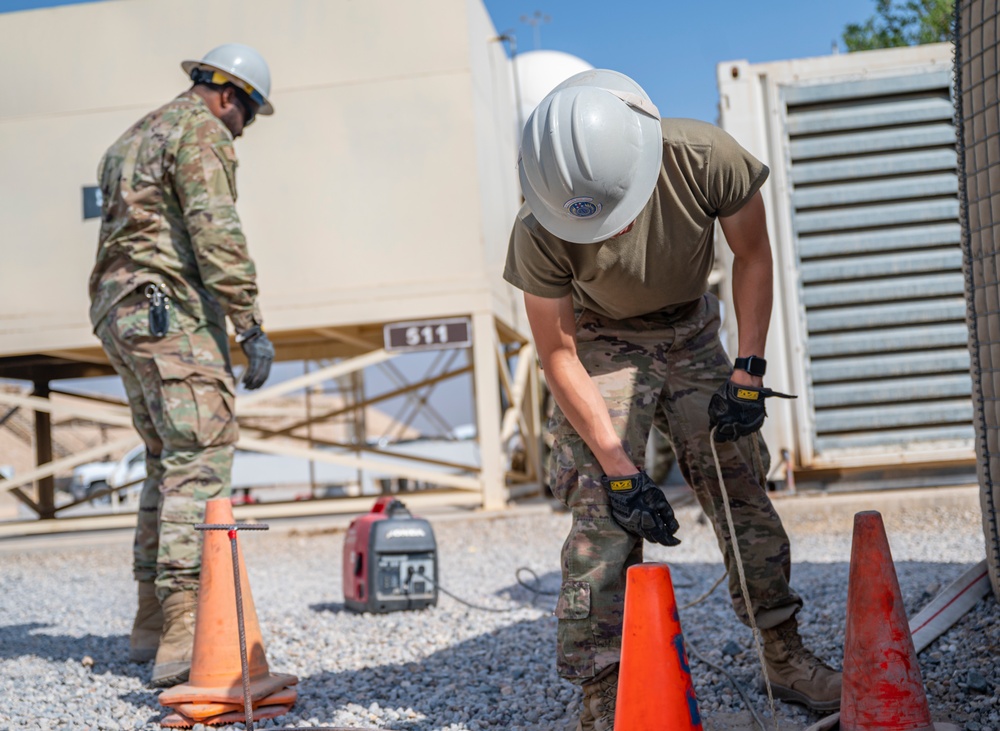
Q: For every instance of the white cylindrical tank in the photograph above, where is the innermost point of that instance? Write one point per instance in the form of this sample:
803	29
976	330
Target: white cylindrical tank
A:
538	73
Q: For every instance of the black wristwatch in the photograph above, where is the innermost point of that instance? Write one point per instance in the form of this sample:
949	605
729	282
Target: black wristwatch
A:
752	364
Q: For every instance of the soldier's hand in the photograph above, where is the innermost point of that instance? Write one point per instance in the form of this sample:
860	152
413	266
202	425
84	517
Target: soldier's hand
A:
260	355
736	411
641	508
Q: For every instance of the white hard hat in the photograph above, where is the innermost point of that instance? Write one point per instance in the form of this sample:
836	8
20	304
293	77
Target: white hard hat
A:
241	65
590	156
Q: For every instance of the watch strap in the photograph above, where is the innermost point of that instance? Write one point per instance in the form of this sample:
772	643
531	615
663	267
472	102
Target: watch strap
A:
752	364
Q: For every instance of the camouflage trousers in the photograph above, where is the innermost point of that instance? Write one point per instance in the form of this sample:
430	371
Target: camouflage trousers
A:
180	388
659	369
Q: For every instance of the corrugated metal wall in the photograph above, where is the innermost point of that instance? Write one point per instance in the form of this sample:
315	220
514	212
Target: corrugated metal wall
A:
875	215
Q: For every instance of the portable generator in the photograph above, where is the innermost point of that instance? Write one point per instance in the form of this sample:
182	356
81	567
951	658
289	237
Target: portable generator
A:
390	560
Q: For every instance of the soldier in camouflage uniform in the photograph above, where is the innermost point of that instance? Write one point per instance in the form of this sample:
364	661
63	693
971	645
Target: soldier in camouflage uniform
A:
612	249
172	263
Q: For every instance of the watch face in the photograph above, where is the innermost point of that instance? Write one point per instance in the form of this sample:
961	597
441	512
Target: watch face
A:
752	364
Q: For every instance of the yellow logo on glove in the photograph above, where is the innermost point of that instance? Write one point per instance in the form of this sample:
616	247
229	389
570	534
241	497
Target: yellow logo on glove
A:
747	395
619	485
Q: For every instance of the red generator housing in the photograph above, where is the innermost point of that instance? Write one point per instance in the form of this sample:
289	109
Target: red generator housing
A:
390	560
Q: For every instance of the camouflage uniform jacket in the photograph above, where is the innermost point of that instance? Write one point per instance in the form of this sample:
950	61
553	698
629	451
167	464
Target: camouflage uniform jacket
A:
169	217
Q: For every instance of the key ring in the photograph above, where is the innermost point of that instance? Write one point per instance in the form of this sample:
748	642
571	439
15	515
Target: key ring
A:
156	295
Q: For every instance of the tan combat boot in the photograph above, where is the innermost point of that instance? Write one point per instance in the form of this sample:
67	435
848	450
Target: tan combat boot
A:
599	695
796	674
173	658
147	626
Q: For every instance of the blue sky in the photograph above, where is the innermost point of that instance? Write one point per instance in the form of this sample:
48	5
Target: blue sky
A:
671	47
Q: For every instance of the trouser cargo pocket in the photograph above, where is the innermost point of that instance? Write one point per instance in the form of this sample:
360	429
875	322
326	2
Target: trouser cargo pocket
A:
574	600
196	405
575	635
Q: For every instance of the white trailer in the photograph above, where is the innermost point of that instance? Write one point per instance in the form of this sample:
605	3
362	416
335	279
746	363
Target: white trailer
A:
868	326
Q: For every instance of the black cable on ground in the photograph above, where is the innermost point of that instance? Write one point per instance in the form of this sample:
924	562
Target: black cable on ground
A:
469	604
706	661
694	651
701	658
534	588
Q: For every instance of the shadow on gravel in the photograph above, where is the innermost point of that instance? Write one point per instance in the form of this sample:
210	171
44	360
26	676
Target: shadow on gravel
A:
146	699
505	678
108	652
332	607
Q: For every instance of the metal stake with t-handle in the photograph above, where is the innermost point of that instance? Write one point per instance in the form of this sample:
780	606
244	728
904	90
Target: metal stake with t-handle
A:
233	529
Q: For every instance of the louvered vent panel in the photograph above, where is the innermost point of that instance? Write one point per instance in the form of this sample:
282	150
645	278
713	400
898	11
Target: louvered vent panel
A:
875	211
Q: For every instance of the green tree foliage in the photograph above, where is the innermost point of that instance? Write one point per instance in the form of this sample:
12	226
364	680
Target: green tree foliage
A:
899	23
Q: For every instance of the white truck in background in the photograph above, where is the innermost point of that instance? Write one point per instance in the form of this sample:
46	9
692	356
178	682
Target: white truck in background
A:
89	479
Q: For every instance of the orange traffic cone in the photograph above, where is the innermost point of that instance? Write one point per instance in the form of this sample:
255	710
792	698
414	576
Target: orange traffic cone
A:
655	692
882	687
216	668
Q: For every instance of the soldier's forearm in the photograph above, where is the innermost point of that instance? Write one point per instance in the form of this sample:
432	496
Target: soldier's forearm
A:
752	298
245	319
584	406
228	272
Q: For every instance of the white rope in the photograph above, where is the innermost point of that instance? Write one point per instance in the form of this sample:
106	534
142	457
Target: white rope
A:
758	643
704	596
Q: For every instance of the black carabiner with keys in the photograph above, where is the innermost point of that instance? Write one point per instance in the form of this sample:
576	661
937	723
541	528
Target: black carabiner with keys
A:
159	311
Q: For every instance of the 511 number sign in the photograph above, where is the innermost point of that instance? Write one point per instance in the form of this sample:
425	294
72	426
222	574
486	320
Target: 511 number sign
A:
428	334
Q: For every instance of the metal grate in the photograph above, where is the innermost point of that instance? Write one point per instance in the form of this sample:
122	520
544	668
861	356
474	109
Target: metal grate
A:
875	213
977	80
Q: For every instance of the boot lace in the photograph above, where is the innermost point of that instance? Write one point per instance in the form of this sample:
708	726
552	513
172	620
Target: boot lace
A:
790	637
599	700
608	694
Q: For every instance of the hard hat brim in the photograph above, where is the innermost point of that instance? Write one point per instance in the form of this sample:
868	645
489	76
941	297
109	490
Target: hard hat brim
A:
190	65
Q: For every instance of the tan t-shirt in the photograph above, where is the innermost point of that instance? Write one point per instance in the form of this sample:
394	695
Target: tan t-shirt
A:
666	258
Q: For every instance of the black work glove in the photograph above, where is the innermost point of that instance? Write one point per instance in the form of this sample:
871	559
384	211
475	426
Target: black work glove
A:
260	355
639	507
738	410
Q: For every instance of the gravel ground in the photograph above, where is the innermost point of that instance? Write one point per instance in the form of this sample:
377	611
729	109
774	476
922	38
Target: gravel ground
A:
65	614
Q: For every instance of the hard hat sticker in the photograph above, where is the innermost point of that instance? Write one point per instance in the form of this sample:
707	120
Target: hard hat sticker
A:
582	207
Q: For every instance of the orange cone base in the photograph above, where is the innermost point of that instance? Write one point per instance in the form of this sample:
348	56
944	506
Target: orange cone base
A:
179	720
198	711
259	714
259	689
